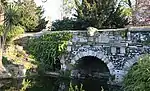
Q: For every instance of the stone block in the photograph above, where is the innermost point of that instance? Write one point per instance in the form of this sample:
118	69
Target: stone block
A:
104	39
106	61
99	55
110	65
73	62
90	53
119	75
94	53
75	39
84	54
79	55
76	57
113	50
83	40
68	48
90	39
122	50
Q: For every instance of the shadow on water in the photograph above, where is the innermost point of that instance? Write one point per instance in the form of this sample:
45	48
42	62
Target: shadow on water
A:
87	67
46	83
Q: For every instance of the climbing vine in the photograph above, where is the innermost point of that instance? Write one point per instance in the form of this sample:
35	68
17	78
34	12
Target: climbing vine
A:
48	49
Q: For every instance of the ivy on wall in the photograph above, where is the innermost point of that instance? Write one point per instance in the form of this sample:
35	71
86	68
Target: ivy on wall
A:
47	49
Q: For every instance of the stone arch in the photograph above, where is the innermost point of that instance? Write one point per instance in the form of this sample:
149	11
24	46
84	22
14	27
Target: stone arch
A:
131	62
99	55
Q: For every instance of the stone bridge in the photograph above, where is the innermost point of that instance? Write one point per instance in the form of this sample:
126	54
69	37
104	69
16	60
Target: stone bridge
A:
119	49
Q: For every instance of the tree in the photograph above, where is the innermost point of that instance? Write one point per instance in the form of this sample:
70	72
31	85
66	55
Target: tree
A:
11	17
29	18
100	14
1	65
116	19
138	77
42	22
68	8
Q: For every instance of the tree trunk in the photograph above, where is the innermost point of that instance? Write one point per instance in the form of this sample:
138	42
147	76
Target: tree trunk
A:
1	59
1	56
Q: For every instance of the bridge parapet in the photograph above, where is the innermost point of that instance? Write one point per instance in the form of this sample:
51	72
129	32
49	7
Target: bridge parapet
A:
118	48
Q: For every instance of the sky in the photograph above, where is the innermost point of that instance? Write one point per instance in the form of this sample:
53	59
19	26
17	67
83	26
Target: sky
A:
52	8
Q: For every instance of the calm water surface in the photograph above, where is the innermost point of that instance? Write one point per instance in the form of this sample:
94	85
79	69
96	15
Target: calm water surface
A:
47	83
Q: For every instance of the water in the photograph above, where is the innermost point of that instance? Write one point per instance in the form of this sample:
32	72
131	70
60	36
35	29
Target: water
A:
47	83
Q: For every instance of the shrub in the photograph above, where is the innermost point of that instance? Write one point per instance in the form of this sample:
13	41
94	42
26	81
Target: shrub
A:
76	88
5	61
138	77
48	48
65	24
16	30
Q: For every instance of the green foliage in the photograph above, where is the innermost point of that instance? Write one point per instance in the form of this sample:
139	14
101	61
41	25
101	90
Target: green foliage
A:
16	30
127	7
42	22
100	14
4	2
26	84
68	8
65	24
14	54
48	48
1	29
31	16
5	61
12	17
138	77
117	19
69	24
29	19
76	88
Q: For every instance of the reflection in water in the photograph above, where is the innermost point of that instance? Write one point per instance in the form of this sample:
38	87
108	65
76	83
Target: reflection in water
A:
47	83
88	67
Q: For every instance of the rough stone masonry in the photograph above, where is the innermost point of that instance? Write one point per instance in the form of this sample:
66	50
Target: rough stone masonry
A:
120	49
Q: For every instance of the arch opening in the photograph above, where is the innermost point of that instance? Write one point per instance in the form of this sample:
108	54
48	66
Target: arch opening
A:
91	66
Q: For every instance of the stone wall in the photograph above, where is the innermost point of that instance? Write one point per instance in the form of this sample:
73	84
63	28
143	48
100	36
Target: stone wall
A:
119	48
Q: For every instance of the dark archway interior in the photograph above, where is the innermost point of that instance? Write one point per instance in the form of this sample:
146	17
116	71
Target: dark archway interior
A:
91	64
